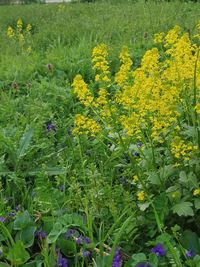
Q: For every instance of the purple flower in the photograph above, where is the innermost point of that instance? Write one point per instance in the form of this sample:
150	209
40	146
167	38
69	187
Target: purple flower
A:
62	188
18	208
1	251
42	234
12	214
139	144
87	240
79	240
70	233
159	250
2	219
61	261
86	253
50	126
189	254
117	260
136	154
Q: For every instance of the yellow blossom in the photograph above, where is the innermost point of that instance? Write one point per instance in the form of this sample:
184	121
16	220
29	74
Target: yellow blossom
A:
135	179
28	28
82	90
141	195
100	63
85	125
196	192
10	32
19	25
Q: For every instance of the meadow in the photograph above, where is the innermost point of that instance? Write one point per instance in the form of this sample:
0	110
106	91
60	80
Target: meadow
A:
100	134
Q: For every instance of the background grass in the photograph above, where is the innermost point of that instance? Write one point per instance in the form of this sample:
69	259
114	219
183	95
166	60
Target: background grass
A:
66	36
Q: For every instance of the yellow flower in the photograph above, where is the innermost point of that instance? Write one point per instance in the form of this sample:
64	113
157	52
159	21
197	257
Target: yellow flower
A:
19	25
82	91
10	32
85	125
158	37
29	49
28	28
123	74
196	192
135	179
141	195
197	108
100	63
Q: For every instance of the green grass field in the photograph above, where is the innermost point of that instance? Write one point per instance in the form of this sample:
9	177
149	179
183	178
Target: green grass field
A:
99	153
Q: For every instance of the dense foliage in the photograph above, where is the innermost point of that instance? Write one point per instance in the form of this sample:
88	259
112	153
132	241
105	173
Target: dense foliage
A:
99	153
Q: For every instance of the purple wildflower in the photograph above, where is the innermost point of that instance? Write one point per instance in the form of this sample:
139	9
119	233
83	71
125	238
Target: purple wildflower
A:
18	208
50	126
159	250
70	233
189	254
136	154
1	251
61	261
139	144
79	240
87	240
117	260
86	253
62	188
12	214
42	234
2	219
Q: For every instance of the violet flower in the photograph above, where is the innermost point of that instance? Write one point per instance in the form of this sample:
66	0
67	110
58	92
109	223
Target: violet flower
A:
159	250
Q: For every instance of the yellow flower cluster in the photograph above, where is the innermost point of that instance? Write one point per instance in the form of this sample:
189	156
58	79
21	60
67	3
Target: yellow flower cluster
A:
19	25
100	63
182	150
85	125
20	34
150	100
10	32
123	75
28	28
158	37
141	195
196	192
82	90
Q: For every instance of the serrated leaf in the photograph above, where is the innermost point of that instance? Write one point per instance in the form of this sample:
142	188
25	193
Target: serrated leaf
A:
183	209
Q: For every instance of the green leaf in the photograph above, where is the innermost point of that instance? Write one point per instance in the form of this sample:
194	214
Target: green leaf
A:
190	241
26	236
183	177
24	143
153	259
17	254
57	230
138	258
68	247
197	203
183	209
51	171
22	221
